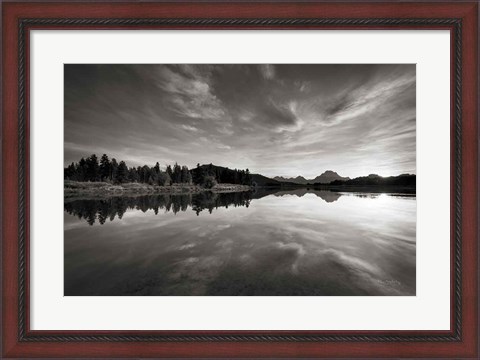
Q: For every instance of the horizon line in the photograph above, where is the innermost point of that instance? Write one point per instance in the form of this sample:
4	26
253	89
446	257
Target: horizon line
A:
256	172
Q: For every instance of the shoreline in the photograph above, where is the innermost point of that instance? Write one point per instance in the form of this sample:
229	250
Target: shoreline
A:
97	190
74	189
368	188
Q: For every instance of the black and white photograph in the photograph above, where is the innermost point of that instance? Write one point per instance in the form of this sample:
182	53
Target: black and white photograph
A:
240	180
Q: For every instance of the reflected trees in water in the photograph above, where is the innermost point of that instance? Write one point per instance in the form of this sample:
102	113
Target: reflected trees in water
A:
101	210
92	210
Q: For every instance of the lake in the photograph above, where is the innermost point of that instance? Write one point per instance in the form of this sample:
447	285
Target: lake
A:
302	242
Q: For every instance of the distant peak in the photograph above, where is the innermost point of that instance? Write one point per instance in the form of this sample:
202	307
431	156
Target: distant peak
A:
325	178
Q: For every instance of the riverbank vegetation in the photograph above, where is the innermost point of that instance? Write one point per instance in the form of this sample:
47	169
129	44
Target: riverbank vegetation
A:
94	190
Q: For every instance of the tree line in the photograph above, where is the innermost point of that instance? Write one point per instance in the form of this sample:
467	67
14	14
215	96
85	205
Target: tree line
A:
209	175
106	170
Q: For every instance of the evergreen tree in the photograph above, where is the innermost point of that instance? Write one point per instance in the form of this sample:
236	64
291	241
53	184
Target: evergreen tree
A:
248	177
235	176
186	177
170	172
151	179
155	174
122	173
164	179
145	176
104	167
82	170
113	170
70	172
177	174
209	182
198	179
92	168
133	175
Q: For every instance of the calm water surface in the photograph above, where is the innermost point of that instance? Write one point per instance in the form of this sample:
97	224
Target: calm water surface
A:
285	243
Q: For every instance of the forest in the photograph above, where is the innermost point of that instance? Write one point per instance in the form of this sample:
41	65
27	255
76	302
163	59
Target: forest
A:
105	170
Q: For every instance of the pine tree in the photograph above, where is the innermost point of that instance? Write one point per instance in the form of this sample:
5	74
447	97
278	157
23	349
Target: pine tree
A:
164	179
82	170
104	167
170	172
145	177
235	176
186	177
155	174
92	168
113	170
69	172
177	173
198	179
122	173
133	175
248	177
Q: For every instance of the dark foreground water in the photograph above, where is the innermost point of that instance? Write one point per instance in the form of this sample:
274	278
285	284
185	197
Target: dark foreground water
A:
286	243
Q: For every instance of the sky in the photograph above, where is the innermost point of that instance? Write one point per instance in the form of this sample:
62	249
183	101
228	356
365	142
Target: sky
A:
274	119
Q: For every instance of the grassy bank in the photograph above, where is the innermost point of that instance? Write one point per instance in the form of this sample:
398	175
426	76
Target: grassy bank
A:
101	189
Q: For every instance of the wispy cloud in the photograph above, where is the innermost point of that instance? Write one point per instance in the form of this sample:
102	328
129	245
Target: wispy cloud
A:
274	119
267	71
190	128
190	95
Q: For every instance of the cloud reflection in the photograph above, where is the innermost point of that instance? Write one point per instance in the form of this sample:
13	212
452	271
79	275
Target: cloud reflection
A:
279	245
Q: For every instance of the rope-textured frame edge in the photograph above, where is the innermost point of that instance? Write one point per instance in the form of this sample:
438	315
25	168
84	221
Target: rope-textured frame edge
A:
455	336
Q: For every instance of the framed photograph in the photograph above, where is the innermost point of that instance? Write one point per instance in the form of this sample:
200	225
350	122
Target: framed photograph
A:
240	180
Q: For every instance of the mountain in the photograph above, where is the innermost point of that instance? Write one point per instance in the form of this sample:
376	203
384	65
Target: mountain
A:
405	180
297	180
261	180
325	195
224	174
326	178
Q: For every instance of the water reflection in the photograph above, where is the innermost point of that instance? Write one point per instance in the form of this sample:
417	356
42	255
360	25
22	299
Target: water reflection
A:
93	210
265	243
103	209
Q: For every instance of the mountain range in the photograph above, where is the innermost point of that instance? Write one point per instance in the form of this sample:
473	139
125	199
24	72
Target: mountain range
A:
329	177
326	178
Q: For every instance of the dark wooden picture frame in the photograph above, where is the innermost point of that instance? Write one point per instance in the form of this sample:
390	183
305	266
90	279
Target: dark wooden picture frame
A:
460	18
